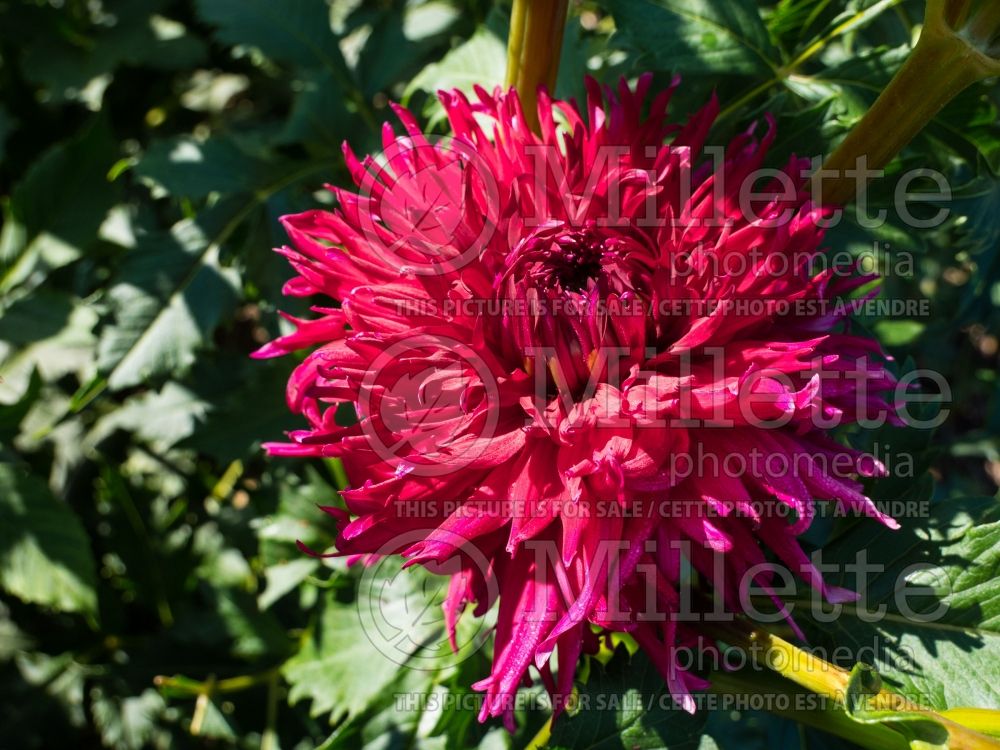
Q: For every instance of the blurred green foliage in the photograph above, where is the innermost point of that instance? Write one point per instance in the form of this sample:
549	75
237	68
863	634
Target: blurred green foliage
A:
152	591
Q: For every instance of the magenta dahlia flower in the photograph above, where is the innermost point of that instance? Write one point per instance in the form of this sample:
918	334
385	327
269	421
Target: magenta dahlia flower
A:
559	343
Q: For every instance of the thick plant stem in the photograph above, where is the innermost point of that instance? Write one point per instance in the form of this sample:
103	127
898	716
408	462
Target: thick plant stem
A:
828	716
906	105
944	63
985	720
984	23
798	665
533	49
831	681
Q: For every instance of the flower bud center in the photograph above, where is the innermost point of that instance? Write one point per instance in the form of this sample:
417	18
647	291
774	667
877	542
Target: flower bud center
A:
574	298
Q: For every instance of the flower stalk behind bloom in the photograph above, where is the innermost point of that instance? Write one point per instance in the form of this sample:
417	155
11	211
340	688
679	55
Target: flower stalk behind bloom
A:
958	47
533	47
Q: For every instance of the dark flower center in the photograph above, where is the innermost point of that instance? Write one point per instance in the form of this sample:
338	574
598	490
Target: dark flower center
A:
570	298
577	265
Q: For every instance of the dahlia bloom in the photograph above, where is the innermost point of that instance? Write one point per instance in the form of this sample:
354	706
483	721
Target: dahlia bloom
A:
534	328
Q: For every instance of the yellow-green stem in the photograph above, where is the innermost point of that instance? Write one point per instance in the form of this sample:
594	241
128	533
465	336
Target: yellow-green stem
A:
942	65
212	685
831	717
799	666
533	49
541	740
985	720
829	680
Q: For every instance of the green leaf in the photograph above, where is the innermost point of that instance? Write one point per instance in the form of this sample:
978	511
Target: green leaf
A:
855	82
228	621
899	332
171	292
970	126
216	725
58	683
861	23
129	722
12	639
45	332
430	19
11	415
231	431
297	32
162	419
45	554
624	706
298	518
403	36
920	730
796	127
694	36
185	167
405	616
937	579
79	68
319	115
395	723
56	209
480	60
432	709
283	577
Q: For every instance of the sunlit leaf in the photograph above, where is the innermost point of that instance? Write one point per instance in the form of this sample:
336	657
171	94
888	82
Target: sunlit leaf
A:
45	554
694	36
57	207
171	292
